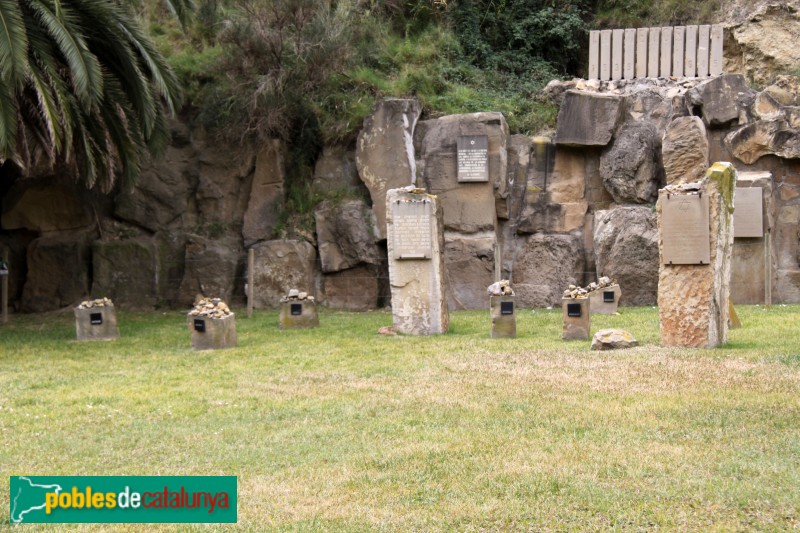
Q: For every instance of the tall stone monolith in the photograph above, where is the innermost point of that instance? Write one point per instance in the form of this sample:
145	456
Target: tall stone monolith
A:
415	240
695	223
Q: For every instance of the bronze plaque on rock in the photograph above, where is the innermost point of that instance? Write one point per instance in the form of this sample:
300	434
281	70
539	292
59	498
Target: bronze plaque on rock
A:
411	221
685	229
748	215
473	158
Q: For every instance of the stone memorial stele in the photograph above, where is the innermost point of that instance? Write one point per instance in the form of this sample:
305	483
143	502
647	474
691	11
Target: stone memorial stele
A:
693	299
96	320
298	313
212	325
502	309
748	218
415	241
577	320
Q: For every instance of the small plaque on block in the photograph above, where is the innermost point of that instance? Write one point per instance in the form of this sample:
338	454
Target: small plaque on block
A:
506	308
574	310
748	217
96	319
199	325
412	229
296	309
608	297
473	158
685	229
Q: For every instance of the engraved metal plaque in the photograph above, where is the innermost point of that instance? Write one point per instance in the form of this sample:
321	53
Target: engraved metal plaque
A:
96	319
295	309
608	297
685	229
473	158
748	216
412	229
199	325
506	308
574	310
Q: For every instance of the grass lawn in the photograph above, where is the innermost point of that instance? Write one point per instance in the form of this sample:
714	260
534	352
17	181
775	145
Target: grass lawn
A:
338	428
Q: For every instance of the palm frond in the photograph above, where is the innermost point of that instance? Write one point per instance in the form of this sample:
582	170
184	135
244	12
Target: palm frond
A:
13	42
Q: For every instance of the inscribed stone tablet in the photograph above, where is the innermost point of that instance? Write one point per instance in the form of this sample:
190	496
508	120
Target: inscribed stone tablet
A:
685	230
411	223
748	215
473	158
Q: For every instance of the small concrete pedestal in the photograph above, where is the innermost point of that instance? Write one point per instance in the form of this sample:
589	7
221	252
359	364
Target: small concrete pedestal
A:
96	324
577	321
300	314
212	333
504	317
604	301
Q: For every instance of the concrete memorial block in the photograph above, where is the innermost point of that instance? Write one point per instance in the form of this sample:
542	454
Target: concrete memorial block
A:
504	317
587	119
703	34
298	314
748	217
616	54
212	325
473	158
96	320
641	52
666	52
577	319
690	62
693	299
594	55
678	36
629	55
717	59
605	300
415	239
653	52
605	55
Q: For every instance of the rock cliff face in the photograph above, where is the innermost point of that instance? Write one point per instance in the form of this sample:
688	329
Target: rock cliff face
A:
553	212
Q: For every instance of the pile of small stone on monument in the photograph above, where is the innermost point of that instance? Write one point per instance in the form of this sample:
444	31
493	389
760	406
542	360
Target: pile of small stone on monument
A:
211	308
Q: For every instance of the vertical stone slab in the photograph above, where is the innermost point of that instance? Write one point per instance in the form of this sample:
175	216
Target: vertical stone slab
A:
678	36
666	52
641	52
715	67
415	240
693	299
690	63
503	311
96	323
577	319
605	55
616	54
594	55
629	55
703	35
652	52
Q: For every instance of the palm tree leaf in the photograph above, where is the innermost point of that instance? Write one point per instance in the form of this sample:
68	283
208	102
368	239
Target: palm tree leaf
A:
8	122
13	42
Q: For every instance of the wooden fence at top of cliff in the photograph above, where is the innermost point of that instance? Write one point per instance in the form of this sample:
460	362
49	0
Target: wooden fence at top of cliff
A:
677	51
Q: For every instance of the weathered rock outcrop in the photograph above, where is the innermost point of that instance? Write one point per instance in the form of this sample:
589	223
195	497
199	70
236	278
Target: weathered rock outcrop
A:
630	165
346	235
211	268
385	152
720	100
753	141
626	249
46	204
588	119
545	264
684	150
266	193
354	289
126	271
57	273
280	265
